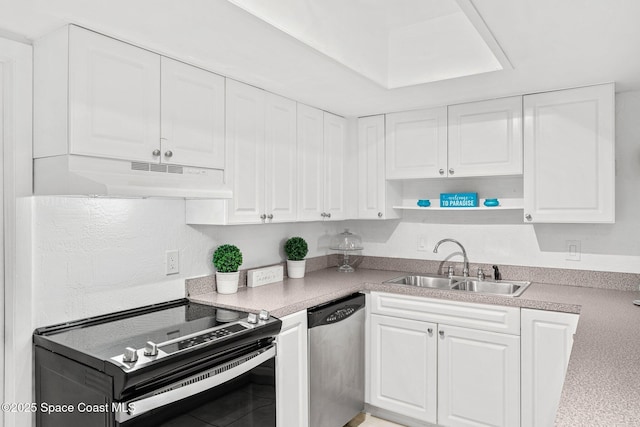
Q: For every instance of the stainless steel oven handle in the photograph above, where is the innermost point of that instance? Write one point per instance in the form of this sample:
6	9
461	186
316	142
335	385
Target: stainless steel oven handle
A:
143	405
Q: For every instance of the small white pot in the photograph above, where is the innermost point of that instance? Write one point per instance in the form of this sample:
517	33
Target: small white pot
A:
296	269
227	283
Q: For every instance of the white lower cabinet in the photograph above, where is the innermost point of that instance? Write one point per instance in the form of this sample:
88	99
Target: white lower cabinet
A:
478	378
426	371
547	338
292	376
403	366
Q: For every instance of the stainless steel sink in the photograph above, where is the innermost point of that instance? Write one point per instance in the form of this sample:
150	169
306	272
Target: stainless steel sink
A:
458	283
424	281
512	288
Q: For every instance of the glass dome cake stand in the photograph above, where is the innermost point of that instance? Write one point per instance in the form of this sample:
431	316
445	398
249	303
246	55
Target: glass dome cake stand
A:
348	244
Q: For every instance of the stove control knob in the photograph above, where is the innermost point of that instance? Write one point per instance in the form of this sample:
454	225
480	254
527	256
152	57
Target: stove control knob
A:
252	318
151	349
264	315
130	355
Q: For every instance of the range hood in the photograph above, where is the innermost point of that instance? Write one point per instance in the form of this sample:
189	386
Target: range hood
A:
73	175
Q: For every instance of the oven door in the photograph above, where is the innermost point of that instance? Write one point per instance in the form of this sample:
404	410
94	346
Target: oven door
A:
240	392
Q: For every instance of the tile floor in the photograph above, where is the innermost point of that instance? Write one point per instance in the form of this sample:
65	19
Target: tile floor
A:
371	421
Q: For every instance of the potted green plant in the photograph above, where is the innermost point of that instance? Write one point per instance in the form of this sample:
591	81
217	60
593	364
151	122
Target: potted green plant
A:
296	249
227	259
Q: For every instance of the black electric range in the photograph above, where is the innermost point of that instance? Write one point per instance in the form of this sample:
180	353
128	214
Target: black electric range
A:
131	356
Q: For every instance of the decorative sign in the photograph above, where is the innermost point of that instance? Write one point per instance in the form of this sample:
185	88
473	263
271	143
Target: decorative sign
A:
458	200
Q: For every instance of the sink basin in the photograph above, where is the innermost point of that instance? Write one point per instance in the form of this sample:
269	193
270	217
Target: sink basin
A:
459	283
512	289
436	282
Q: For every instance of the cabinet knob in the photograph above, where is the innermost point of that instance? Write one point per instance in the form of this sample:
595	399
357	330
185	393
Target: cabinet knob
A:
379	214
263	217
322	214
441	334
451	171
270	217
430	330
156	152
168	153
441	171
528	217
328	215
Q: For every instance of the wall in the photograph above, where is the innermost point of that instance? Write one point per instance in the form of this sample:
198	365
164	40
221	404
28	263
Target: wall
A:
96	255
502	237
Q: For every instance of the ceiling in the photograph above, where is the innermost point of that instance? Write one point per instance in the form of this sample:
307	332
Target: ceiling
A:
551	45
395	44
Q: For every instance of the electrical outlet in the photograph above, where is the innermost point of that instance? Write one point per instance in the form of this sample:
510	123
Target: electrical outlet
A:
173	262
573	250
422	243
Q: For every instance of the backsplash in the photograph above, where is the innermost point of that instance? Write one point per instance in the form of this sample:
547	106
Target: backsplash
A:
206	284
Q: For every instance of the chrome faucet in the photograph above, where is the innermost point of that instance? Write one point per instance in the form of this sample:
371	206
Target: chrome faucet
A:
465	270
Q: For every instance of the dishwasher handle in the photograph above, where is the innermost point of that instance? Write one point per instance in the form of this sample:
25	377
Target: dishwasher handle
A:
335	311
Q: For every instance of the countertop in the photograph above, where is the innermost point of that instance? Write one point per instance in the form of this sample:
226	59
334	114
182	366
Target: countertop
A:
602	385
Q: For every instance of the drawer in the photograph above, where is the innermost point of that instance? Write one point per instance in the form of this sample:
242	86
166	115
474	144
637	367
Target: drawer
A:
485	317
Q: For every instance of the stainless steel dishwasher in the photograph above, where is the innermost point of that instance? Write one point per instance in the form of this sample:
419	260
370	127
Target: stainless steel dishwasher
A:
336	361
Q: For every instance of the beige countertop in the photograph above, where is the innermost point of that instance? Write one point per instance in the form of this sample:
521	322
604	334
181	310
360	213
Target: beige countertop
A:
602	386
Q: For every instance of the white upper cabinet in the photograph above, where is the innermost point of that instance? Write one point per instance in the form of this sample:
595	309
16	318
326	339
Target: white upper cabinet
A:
114	98
475	139
376	195
280	155
310	163
485	138
192	116
245	152
260	161
100	97
335	156
416	144
321	163
569	169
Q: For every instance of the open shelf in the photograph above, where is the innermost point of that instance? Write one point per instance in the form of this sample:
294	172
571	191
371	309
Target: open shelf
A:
505	204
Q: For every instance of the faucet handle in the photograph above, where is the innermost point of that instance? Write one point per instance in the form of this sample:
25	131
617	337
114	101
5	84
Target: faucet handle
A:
481	275
450	271
496	273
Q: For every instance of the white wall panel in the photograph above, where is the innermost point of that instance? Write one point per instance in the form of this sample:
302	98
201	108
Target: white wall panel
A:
95	256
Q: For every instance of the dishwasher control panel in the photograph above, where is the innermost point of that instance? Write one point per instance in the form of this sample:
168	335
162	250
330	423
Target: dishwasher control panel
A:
335	311
340	314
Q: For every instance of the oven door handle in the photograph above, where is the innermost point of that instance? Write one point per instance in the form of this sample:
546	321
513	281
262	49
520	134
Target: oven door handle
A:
136	407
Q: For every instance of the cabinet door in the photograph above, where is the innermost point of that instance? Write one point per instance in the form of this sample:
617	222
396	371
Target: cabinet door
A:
403	367
280	150
192	116
417	144
478	378
245	152
310	163
547	338
292	385
569	169
335	155
375	194
485	138
114	98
